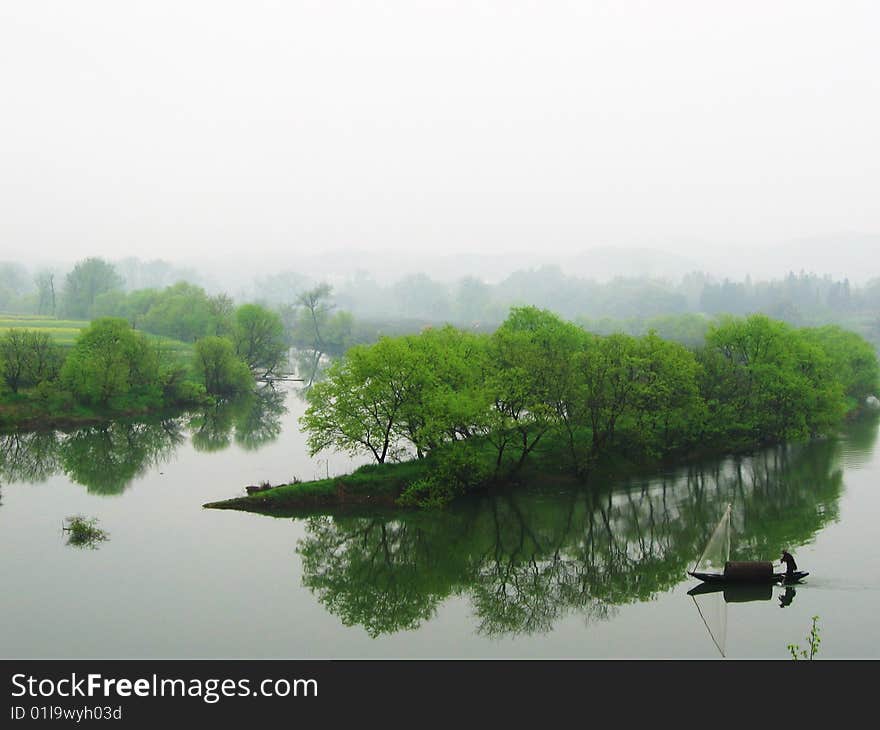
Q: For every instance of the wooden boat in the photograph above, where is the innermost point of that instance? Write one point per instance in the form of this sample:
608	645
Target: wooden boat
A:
714	566
751	577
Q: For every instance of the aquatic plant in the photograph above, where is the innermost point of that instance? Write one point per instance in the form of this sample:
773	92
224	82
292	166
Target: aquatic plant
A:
84	532
813	641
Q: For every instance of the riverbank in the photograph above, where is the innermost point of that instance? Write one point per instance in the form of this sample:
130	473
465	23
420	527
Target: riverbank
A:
372	485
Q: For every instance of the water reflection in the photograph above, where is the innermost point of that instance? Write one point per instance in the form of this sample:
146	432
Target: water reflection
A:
525	559
741	592
29	457
251	421
107	457
712	599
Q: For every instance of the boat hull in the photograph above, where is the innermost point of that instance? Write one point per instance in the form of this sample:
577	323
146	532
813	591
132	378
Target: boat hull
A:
721	579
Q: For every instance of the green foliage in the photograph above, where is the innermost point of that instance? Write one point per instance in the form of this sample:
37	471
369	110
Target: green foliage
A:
454	470
687	329
219	368
667	413
83	532
28	358
765	381
258	335
813	641
357	406
531	378
53	398
110	360
82	286
538	379
852	360
313	327
182	311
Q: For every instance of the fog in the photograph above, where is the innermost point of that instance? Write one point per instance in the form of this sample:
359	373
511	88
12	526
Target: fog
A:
610	137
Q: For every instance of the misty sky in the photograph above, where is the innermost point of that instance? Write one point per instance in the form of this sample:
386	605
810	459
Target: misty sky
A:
170	129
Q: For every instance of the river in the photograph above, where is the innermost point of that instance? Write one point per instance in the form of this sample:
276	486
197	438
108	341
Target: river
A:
590	572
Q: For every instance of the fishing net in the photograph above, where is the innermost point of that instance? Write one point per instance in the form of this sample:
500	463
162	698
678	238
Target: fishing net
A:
713	611
717	551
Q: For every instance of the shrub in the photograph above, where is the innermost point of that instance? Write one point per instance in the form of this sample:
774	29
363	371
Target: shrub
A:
456	470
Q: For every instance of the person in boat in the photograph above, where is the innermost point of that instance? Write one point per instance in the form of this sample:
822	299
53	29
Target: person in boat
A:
790	565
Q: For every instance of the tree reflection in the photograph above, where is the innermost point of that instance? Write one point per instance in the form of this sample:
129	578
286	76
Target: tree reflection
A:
258	418
31	457
394	590
252	420
527	558
107	457
212	428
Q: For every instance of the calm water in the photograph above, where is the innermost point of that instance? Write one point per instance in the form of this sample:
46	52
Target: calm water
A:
583	573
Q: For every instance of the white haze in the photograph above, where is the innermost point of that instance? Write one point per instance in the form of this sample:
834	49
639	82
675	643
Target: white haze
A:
389	135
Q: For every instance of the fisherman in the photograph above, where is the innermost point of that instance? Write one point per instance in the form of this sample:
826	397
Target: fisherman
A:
791	566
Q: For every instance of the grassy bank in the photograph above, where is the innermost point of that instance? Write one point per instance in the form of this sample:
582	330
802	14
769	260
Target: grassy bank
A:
372	485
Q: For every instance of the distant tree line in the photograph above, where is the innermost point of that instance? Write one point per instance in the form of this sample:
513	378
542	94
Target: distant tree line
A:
482	405
317	323
797	296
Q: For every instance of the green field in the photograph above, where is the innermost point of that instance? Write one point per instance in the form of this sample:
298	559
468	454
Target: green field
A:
65	331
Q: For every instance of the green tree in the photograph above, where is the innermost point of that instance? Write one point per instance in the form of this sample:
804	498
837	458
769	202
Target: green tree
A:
668	411
531	367
110	360
222	310
357	407
314	329
89	278
45	282
220	369
453	401
422	390
315	307
28	358
764	381
610	367
133	306
853	360
110	304
258	336
182	311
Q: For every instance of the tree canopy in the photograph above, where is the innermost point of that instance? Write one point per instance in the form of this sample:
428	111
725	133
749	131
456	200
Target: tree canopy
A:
537	377
88	279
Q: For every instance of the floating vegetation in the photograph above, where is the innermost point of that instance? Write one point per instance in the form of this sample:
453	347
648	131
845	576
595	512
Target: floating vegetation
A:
84	532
